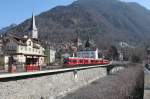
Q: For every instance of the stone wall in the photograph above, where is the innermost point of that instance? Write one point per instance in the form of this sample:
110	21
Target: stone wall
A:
116	69
49	86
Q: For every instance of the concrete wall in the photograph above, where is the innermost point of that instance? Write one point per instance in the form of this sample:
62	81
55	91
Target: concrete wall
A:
116	69
49	86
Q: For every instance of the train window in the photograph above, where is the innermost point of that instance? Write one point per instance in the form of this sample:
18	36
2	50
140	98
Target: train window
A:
86	61
97	61
81	61
70	60
74	61
92	61
65	61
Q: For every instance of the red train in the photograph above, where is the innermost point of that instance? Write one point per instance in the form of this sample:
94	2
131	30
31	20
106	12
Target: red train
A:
73	62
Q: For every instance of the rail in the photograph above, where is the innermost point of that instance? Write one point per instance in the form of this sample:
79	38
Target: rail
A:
36	73
120	62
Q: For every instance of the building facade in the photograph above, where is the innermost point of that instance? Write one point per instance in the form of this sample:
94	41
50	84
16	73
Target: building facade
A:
23	50
88	54
2	57
89	51
50	55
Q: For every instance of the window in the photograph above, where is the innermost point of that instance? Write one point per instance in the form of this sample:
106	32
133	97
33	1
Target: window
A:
21	48
86	61
29	43
81	61
74	61
97	61
26	48
92	61
65	61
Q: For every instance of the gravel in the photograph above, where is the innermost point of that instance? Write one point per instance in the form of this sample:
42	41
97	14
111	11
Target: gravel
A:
127	84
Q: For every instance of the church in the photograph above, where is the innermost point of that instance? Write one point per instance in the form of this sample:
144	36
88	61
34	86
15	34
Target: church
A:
89	51
24	51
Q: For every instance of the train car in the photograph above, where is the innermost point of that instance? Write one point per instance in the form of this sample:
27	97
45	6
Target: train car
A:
74	62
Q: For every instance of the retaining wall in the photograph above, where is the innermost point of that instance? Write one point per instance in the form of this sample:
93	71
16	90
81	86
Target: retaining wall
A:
47	84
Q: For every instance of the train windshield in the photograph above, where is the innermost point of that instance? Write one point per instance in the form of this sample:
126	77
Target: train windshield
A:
66	60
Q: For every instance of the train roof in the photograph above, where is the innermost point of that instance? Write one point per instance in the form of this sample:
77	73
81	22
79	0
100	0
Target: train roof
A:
82	58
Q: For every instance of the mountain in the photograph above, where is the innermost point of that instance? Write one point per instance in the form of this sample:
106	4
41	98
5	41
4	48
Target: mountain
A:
5	29
106	21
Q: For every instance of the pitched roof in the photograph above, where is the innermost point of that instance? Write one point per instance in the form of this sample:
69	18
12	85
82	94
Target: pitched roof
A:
22	41
35	46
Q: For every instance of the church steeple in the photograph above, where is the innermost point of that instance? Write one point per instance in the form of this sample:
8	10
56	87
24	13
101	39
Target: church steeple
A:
88	43
33	29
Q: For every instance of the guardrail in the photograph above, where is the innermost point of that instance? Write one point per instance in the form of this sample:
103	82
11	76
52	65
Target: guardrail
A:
120	62
12	75
55	71
48	83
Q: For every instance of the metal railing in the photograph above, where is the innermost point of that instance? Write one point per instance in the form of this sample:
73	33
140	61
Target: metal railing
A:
12	75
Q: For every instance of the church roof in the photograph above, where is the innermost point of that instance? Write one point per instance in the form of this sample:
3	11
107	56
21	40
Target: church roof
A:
33	32
89	43
33	26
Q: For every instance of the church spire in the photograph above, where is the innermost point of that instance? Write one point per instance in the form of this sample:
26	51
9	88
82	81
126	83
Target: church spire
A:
33	29
88	43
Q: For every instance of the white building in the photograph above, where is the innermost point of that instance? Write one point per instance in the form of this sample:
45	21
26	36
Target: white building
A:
88	54
90	51
26	50
1	53
50	53
1	46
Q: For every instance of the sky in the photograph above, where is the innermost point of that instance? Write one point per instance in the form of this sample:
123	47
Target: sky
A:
145	3
16	11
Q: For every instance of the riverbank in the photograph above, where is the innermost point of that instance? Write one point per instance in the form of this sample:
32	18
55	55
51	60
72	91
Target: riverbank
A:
127	84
